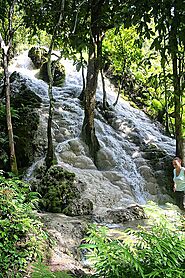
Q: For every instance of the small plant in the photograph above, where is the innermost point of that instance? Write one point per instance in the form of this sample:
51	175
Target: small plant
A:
153	252
21	233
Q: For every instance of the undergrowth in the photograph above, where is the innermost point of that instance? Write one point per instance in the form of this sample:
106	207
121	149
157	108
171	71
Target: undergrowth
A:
22	238
154	251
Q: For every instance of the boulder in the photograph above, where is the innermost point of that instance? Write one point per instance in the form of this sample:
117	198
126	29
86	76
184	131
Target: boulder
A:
119	216
59	74
38	55
57	188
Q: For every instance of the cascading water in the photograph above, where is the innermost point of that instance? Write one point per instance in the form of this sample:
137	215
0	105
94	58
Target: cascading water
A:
119	180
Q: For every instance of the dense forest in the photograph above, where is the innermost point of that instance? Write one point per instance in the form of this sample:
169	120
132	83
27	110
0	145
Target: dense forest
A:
140	47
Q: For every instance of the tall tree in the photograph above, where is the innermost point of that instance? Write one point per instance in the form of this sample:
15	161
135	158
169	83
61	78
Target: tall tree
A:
176	67
88	129
6	38
52	14
102	15
51	71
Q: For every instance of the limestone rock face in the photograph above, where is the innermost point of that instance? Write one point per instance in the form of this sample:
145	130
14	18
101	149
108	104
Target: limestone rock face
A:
25	104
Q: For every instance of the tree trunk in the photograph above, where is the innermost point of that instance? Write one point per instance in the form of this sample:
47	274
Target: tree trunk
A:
101	65
82	95
176	85
13	162
105	103
94	60
166	103
49	159
88	129
120	88
50	152
178	103
119	92
6	46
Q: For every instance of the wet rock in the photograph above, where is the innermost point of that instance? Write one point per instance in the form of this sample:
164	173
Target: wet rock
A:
105	159
152	152
84	162
118	216
74	153
146	172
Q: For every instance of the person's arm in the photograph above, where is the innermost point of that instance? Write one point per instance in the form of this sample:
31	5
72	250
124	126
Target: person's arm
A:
174	185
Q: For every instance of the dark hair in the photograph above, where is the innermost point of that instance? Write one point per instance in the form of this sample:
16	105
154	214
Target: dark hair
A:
177	158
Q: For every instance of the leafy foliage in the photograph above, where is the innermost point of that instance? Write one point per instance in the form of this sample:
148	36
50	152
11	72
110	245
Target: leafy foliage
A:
136	70
154	252
40	270
21	234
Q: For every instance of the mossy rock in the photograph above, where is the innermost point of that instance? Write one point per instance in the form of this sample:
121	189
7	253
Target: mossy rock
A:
59	75
57	189
79	207
38	55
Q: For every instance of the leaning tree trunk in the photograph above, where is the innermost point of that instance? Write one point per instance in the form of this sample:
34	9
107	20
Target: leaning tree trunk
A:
12	156
119	93
6	51
88	129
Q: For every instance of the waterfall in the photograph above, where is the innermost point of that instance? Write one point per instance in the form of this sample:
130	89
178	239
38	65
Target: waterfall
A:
124	176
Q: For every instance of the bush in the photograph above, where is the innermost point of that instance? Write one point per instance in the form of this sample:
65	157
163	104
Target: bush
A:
21	234
154	252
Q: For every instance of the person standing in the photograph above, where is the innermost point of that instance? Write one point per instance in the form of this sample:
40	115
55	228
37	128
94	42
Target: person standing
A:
179	182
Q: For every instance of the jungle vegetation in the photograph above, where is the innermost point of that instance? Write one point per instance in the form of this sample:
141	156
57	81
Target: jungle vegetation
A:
139	45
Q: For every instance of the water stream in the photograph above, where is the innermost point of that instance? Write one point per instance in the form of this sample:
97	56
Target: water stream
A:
118	182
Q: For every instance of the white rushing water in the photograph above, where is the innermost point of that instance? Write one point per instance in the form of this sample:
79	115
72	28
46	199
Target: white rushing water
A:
123	177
